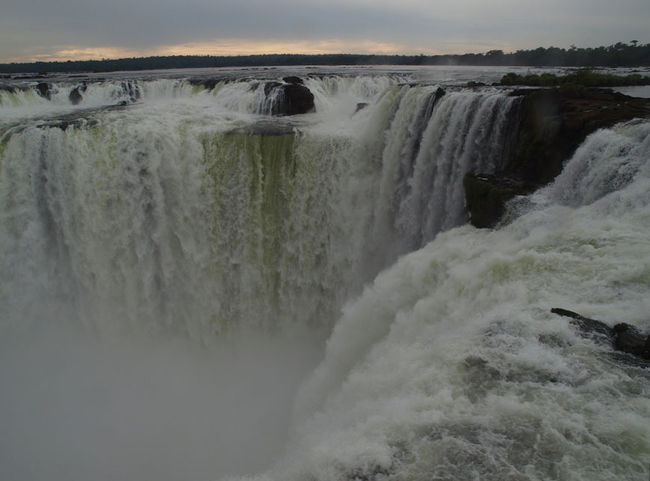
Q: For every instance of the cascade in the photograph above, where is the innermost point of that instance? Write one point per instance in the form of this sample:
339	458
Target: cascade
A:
450	365
175	223
182	275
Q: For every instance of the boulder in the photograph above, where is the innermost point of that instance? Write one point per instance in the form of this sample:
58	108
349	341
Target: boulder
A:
75	96
629	339
622	337
43	89
590	327
288	99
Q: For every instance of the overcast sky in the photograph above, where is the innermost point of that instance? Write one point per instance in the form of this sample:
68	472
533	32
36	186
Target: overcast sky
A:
82	29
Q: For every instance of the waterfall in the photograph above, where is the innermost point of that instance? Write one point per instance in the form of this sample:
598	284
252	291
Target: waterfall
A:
168	222
199	290
450	365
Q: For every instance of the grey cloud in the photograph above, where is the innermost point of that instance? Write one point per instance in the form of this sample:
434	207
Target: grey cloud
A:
32	24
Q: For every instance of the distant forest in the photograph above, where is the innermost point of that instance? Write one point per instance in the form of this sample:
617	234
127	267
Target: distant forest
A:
621	54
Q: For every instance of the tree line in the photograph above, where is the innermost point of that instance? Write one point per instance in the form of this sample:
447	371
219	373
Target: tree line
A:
632	54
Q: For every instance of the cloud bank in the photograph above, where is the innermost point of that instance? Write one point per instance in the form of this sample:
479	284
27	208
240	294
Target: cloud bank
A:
76	29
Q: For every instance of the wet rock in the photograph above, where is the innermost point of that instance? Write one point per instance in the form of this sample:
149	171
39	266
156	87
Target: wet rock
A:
207	83
547	128
44	90
288	99
270	87
622	337
554	122
592	328
132	90
292	80
629	339
361	106
486	196
75	96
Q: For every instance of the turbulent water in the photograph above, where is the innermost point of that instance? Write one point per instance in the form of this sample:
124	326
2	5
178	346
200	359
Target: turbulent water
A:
190	288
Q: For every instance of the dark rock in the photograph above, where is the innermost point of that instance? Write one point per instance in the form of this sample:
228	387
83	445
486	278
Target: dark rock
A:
208	84
630	340
361	106
75	96
43	89
293	80
270	86
549	125
622	337
298	99
288	99
554	122
592	328
486	195
132	90
433	100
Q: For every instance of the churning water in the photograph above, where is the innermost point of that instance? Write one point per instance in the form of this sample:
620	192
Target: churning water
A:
191	289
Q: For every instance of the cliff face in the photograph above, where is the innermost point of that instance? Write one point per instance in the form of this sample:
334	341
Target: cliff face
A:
551	124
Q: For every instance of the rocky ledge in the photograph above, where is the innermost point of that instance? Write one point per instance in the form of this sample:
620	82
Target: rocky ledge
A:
552	123
623	337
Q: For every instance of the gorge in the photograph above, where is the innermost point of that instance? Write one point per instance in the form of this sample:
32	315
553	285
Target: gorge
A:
193	286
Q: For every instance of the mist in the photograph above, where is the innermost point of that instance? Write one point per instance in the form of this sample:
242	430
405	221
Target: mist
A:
76	407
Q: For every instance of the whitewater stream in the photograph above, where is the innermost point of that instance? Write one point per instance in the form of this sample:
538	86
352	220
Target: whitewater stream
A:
193	289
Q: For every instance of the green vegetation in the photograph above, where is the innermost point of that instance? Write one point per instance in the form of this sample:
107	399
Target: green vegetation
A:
579	78
617	55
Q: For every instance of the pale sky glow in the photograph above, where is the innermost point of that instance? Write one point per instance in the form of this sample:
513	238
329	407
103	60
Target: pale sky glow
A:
92	29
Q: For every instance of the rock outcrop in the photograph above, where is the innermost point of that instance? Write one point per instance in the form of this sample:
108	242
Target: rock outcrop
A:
206	83
75	96
43	89
486	196
293	80
288	98
552	123
622	337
